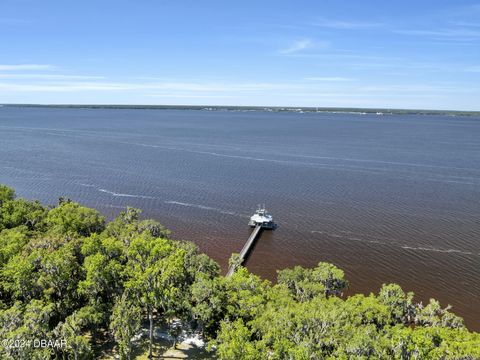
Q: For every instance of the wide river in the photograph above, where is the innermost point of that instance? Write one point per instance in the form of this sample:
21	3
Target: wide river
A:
392	198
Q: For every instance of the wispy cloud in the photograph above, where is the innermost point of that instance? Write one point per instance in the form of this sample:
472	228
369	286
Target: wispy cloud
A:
458	33
329	78
474	69
25	67
193	96
124	86
63	87
429	89
12	21
49	76
304	44
466	24
207	89
296	93
347	25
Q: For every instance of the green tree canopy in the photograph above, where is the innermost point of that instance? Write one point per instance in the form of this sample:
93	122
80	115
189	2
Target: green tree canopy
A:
124	323
306	284
72	219
20	212
6	194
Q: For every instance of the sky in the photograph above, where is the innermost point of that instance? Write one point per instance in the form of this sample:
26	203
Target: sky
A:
389	54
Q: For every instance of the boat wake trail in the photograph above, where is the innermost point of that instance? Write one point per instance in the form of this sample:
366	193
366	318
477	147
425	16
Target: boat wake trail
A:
346	237
408	171
115	194
204	207
126	195
438	250
171	202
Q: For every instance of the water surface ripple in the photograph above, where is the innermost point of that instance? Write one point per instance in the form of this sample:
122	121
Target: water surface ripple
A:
387	198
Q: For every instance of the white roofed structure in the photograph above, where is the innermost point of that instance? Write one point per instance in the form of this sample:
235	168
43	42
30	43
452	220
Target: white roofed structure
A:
262	218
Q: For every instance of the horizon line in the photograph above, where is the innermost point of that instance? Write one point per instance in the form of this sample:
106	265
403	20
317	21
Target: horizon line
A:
285	107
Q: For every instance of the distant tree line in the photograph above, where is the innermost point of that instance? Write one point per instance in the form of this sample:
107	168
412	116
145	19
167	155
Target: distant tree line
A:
65	273
255	108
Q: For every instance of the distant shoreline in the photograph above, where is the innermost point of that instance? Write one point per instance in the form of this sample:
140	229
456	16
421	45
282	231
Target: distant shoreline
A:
297	109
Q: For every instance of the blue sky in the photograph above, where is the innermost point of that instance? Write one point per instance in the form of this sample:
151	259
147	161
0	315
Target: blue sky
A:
402	54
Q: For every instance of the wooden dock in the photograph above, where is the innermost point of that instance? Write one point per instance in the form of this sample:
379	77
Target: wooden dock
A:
246	248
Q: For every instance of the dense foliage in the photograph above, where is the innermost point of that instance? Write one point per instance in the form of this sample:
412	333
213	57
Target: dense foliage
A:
67	274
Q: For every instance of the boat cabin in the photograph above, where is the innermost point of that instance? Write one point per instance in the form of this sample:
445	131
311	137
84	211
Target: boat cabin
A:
262	218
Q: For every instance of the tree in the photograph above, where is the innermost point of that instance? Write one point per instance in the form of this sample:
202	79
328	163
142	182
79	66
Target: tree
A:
127	225
325	279
58	274
234	343
235	261
19	277
332	278
104	265
69	218
23	324
288	326
197	264
19	212
400	304
365	310
246	295
6	194
124	324
300	283
71	331
11	319
197	267
209	300
155	268
434	315
11	243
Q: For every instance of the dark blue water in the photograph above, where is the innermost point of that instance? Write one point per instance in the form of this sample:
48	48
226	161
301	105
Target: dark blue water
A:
387	198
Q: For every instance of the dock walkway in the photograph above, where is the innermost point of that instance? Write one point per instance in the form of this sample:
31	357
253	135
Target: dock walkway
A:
246	248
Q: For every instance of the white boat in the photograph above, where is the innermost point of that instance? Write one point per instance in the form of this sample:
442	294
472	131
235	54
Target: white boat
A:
262	218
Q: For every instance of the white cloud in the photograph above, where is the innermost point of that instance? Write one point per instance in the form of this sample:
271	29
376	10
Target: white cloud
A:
62	87
48	76
122	86
455	34
192	96
23	67
432	89
329	78
303	44
347	25
312	91
465	23
12	21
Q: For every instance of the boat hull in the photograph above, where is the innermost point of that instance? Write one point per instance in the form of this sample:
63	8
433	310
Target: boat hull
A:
266	226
